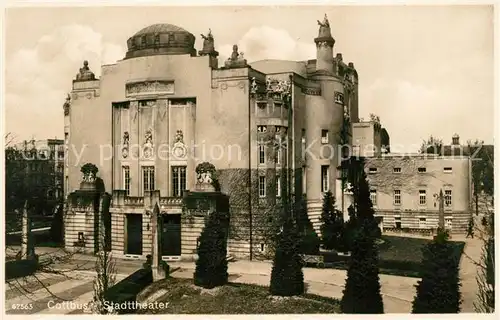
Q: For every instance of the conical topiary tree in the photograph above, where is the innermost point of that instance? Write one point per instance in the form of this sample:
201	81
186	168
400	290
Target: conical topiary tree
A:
364	206
362	289
211	266
332	223
439	289
287	278
309	240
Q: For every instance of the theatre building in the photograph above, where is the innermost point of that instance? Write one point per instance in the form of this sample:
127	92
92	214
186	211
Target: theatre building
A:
154	116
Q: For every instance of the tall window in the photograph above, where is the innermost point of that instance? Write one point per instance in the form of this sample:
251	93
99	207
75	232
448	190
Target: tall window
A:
324	136
278	149
262	154
422	223
148	178
178	181
262	186
373	197
447	198
126	179
278	186
397	197
422	197
325	179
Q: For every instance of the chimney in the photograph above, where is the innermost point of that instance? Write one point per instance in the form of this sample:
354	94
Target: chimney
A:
455	140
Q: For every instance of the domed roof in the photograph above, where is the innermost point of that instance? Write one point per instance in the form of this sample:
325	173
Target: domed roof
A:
160	28
160	39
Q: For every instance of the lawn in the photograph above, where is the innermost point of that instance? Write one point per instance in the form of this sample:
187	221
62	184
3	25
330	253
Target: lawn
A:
185	298
401	256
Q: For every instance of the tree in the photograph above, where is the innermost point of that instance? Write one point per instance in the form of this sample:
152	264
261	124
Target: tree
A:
432	145
485	302
364	206
287	278
309	240
211	266
362	289
332	223
105	265
439	289
57	227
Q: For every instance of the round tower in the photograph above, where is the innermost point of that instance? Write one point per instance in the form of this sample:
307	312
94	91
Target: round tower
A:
324	46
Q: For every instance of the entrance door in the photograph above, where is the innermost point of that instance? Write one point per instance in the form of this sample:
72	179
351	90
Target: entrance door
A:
171	244
134	234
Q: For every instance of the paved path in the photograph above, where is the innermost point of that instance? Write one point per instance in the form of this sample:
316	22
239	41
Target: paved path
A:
398	292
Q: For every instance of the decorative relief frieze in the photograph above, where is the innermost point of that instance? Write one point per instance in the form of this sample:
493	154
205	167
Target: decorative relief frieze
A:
84	94
148	144
149	87
312	91
179	149
126	140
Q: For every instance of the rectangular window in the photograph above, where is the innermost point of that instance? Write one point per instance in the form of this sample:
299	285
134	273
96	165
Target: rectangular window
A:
372	170
325	178
422	197
448	223
397	222
278	149
126	179
339	98
324	136
447	198
422	223
148	181
262	154
178	180
422	170
448	169
278	186
262	186
396	170
373	197
397	197
303	141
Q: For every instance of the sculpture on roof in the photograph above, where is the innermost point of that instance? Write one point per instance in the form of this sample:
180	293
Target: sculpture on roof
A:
85	74
208	41
67	105
325	23
236	59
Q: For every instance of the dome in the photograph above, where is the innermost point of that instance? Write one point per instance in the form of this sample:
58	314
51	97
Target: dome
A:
160	39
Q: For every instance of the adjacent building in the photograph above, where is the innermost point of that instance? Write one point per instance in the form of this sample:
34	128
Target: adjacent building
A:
405	188
36	168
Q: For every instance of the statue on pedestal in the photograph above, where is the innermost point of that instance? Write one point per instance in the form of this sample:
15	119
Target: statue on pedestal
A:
67	105
236	60
85	74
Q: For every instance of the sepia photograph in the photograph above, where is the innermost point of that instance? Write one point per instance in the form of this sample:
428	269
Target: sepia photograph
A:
249	159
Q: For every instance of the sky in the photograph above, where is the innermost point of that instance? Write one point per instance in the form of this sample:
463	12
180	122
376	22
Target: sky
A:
424	70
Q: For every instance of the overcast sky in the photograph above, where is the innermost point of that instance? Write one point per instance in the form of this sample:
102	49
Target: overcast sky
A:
423	70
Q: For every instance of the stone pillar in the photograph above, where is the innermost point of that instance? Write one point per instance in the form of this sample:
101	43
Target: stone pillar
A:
441	210
158	265
202	202
27	248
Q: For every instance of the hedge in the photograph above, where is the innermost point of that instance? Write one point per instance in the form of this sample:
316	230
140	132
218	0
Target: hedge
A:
20	268
128	289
